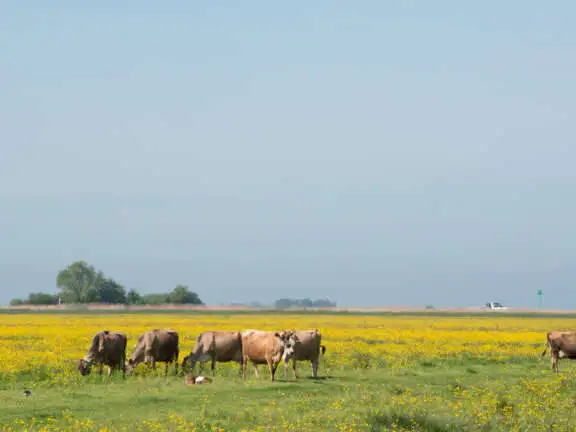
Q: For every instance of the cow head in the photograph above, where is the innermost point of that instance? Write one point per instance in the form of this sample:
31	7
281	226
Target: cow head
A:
84	367
188	362
131	365
288	340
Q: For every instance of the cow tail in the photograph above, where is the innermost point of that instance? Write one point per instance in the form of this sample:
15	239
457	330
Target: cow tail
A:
323	349
546	345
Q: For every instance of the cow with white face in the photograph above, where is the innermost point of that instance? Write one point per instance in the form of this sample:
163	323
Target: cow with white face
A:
307	348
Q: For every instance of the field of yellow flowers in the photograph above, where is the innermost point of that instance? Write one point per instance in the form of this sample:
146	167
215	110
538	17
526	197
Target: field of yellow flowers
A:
379	373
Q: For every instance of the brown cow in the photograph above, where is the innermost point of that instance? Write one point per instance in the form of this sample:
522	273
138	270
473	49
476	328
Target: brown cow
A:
215	346
261	347
107	348
156	346
307	347
562	345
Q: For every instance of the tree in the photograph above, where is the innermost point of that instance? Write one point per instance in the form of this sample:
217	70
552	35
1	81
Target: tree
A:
182	295
41	298
110	291
286	303
133	297
156	299
79	282
17	302
283	303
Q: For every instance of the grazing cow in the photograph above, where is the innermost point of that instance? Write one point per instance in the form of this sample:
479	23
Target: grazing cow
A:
261	347
155	346
215	346
562	345
107	348
307	347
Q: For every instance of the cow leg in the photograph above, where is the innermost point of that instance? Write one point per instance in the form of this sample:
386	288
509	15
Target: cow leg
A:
192	364
213	365
240	364
256	371
101	367
315	368
243	367
294	368
109	372
555	362
166	368
272	368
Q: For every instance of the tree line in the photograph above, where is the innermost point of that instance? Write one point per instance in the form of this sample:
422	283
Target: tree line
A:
82	283
286	303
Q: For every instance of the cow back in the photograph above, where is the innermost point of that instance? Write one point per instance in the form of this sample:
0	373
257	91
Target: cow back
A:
260	346
563	341
165	344
227	346
113	347
307	346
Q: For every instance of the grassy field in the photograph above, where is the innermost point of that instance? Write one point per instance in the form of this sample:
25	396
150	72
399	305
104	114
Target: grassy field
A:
380	372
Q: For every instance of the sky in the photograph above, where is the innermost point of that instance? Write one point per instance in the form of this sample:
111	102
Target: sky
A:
378	153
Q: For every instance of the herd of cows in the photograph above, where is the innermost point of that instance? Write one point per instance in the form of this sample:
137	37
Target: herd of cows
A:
255	346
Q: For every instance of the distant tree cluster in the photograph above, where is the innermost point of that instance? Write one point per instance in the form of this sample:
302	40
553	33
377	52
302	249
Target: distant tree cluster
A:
82	283
286	303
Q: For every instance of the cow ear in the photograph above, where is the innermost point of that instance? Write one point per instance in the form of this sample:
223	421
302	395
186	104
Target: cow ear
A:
277	335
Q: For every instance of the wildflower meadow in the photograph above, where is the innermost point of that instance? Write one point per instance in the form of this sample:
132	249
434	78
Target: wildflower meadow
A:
379	372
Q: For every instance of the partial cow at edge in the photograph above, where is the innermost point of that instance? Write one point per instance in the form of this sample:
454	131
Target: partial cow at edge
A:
561	345
107	348
215	346
265	347
156	346
307	348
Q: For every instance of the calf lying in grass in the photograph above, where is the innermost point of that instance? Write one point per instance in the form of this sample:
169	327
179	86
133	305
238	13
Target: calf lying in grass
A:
191	380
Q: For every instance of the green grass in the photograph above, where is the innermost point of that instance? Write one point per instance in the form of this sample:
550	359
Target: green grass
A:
432	395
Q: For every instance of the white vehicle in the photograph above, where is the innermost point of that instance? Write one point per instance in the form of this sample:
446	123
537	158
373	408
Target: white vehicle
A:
495	306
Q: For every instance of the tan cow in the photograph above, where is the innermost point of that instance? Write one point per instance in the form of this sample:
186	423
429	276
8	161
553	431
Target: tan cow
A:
265	347
308	346
215	346
107	348
156	346
562	345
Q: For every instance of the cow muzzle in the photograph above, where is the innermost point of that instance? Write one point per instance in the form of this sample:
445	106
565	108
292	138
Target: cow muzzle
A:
84	367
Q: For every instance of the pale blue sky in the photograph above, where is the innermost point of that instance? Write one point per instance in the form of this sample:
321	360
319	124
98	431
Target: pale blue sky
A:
376	152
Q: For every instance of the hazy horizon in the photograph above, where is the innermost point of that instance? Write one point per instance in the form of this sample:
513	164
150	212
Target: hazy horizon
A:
383	153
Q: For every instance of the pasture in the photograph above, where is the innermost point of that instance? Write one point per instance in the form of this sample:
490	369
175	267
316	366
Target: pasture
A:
380	372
